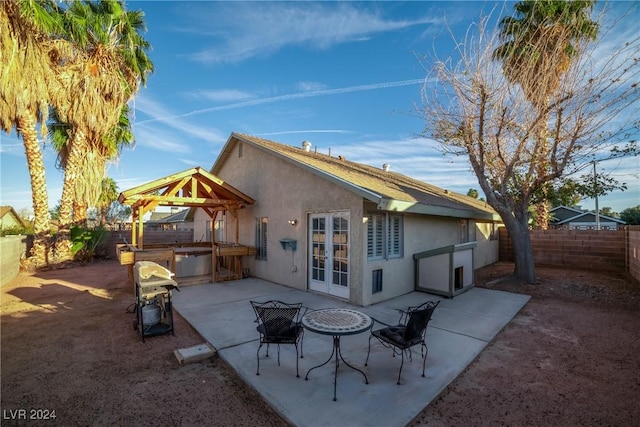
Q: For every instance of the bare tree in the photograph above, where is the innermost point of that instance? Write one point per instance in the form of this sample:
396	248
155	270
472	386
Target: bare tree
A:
472	108
539	41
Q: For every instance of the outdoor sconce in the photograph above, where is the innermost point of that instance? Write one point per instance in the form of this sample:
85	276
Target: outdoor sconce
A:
293	222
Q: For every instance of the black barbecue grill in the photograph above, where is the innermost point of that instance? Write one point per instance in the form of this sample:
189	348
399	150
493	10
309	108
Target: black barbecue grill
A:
154	314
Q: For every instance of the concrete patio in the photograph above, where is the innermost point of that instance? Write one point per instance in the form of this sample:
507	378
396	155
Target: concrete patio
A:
459	330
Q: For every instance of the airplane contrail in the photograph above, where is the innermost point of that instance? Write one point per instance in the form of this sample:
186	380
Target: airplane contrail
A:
309	94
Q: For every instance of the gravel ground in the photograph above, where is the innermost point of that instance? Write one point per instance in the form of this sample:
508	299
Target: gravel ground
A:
570	357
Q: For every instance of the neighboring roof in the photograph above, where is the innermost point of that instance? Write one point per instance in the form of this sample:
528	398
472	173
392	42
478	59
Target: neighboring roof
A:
565	215
391	191
590	217
8	210
191	188
560	213
168	217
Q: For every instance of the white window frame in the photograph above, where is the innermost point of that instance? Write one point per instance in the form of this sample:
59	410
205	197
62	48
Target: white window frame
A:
385	236
395	239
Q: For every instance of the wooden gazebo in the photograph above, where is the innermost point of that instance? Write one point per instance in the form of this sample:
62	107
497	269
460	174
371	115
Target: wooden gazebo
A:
193	188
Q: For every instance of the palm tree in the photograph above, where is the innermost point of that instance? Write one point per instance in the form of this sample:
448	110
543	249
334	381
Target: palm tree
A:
106	73
25	49
86	193
108	195
539	43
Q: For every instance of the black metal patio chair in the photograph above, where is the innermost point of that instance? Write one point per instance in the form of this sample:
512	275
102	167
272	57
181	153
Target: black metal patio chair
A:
409	332
279	323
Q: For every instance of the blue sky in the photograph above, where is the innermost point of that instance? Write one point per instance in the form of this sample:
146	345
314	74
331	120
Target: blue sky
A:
345	76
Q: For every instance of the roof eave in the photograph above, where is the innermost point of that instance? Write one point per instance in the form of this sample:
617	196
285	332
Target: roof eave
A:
423	209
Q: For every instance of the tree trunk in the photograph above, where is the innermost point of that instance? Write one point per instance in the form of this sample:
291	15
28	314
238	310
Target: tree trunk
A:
103	216
542	212
542	135
80	213
517	226
71	173
26	126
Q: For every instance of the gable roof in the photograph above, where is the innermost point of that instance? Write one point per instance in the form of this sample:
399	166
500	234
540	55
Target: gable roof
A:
8	210
560	213
168	217
590	217
193	187
390	191
565	214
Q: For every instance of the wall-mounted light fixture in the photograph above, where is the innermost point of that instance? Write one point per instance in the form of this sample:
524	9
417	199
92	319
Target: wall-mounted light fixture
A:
293	222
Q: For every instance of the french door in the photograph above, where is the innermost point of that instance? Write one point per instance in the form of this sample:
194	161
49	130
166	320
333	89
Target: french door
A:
329	253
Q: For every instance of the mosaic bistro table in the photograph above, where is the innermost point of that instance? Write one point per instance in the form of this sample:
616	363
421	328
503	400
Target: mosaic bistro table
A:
337	322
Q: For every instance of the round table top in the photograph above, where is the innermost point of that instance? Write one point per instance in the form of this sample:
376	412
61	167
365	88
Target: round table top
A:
337	321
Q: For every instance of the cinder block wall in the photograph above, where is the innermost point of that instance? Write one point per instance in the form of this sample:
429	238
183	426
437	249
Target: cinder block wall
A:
588	249
633	253
12	249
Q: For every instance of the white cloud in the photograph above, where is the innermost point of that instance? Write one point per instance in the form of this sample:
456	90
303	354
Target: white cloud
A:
189	162
169	119
12	147
306	131
418	158
159	136
223	95
311	86
275	25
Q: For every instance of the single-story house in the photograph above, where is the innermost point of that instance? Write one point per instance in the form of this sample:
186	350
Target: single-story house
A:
9	219
576	219
177	219
353	231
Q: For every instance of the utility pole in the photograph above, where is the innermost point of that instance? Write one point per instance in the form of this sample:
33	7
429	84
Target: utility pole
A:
595	192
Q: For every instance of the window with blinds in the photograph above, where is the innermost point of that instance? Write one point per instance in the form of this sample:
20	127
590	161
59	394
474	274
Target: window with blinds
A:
385	236
375	237
394	241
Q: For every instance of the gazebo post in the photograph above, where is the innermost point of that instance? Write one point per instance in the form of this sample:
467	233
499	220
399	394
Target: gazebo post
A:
214	257
134	235
140	227
237	236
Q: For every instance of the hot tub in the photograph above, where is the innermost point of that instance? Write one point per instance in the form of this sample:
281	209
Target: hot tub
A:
193	262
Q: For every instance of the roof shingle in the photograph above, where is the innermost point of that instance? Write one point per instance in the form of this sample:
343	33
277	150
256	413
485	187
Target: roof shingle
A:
385	187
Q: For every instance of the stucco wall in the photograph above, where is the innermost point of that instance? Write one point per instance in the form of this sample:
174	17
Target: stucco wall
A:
421	233
283	191
487	245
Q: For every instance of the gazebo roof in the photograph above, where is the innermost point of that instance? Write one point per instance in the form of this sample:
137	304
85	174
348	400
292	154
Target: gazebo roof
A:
193	187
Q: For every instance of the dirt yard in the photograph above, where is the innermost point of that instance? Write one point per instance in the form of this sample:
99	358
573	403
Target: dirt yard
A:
570	357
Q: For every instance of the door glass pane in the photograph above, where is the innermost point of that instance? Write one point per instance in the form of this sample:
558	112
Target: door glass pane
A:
318	233
340	273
